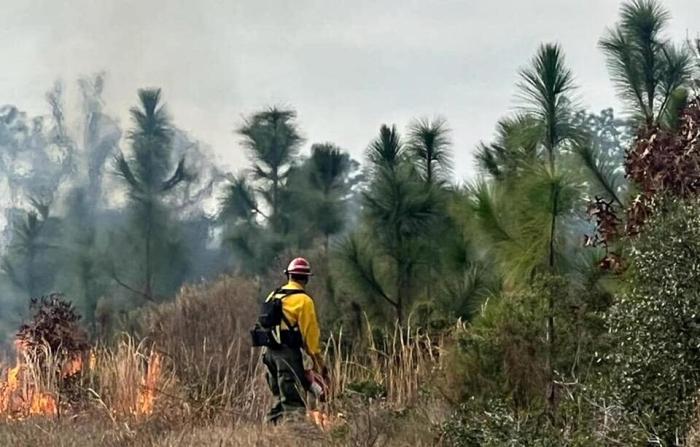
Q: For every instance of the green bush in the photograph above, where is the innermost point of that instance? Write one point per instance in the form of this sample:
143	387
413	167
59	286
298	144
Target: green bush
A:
504	353
368	389
500	365
656	323
581	424
494	423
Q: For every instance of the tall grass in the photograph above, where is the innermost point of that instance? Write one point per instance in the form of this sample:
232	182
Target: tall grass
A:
397	362
204	337
211	378
117	379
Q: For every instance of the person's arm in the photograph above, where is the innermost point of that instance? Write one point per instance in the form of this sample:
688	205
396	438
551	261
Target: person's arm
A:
308	325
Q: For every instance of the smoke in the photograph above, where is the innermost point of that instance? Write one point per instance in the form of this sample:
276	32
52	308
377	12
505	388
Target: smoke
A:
62	207
205	177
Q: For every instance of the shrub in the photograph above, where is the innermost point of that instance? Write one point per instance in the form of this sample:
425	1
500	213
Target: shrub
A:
476	424
582	423
204	333
656	322
368	389
54	325
502	354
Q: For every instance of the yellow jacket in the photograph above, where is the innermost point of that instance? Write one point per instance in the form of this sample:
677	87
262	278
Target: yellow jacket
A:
299	310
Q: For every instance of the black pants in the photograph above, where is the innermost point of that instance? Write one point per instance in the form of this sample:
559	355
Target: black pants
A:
285	375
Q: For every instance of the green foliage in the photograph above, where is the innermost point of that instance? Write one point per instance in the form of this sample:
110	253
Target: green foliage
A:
601	153
398	210
329	166
517	222
464	273
368	389
149	175
362	273
499	367
646	69
542	191
272	141
84	272
655	323
319	191
503	354
515	146
239	201
494	423
545	89
429	143
282	203
29	262
386	151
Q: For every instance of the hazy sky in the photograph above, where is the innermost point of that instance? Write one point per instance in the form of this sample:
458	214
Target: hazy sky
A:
345	66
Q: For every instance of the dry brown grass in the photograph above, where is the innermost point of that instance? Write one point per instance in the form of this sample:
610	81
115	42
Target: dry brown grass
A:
204	336
398	362
693	435
211	389
117	378
91	432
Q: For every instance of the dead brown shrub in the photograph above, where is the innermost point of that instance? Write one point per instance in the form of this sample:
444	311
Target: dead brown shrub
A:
204	335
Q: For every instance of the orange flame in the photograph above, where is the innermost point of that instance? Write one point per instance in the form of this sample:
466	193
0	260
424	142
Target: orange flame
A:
43	404
147	394
21	398
73	366
320	419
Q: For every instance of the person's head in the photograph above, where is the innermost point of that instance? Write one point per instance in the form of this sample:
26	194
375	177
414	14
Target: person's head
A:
302	279
299	270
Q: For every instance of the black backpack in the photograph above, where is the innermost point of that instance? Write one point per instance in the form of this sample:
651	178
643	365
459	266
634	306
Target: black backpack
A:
268	331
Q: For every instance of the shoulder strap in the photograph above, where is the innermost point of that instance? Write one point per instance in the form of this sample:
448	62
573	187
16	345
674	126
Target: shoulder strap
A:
280	291
285	293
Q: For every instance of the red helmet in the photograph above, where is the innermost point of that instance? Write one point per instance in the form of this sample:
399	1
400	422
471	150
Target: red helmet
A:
299	266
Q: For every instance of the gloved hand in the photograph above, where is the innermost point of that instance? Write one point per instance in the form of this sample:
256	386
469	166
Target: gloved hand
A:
317	384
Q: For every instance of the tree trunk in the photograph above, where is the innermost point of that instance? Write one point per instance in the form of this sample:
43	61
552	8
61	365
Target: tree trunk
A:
551	391
149	274
400	271
275	191
30	276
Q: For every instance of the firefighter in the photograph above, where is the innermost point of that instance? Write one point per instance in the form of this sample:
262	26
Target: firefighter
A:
296	330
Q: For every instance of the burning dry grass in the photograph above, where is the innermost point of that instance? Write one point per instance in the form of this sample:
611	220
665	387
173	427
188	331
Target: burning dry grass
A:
28	390
123	381
131	396
197	381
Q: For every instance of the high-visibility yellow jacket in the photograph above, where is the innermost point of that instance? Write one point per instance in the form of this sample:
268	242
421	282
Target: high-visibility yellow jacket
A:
300	311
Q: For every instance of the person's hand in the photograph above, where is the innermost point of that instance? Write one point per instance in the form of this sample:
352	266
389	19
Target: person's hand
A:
319	365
